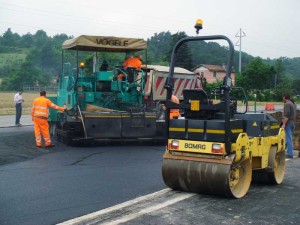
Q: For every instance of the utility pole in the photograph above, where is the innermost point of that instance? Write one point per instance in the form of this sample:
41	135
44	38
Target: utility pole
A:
240	34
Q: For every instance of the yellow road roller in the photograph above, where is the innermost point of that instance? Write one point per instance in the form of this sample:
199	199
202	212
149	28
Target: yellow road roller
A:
218	147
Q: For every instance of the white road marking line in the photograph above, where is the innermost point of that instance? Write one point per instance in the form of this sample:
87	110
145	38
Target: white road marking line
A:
113	208
182	196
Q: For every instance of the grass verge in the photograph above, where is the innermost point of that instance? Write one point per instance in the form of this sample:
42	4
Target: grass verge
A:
7	105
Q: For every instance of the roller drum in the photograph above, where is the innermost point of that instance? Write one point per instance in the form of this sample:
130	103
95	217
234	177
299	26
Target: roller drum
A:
207	177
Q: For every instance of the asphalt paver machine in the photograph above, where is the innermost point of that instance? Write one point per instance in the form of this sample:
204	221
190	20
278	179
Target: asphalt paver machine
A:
103	106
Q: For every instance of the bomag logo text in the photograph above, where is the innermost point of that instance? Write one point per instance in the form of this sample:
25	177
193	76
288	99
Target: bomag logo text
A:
112	42
194	146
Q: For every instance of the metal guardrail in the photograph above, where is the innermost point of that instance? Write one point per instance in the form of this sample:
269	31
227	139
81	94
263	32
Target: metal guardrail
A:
40	88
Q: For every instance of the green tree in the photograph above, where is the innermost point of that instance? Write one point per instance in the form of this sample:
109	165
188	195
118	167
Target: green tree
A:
281	89
26	41
49	58
27	74
158	46
40	38
59	39
9	38
296	86
292	65
242	81
183	55
258	75
279	71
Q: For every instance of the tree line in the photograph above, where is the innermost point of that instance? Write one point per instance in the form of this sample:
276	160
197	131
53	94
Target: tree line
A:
267	78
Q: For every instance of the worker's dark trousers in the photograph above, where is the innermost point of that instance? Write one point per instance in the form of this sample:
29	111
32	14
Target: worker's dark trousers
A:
18	112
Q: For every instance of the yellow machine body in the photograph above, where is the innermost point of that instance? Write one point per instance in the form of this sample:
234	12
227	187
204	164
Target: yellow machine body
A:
196	166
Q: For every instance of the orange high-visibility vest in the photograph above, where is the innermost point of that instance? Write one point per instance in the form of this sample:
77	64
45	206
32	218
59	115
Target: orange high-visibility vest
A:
41	106
175	100
134	62
174	112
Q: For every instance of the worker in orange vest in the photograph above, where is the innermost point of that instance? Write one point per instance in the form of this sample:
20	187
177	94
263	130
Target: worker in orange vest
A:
174	113
133	63
39	114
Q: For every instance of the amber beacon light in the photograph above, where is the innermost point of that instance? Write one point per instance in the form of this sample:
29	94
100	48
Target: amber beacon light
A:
82	64
198	25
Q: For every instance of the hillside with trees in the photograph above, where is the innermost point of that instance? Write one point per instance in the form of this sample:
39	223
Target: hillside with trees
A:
35	59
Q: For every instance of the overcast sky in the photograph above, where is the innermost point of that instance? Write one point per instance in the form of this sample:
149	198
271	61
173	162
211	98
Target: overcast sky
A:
271	27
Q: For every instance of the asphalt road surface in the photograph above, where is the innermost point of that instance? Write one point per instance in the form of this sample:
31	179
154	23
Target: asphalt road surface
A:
121	184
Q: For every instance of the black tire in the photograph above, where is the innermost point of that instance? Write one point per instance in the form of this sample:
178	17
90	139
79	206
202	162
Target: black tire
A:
275	172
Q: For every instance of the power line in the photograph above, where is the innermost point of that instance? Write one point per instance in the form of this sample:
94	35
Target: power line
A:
41	12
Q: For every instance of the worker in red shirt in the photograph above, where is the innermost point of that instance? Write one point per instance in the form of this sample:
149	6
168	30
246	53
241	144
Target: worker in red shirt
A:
39	114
